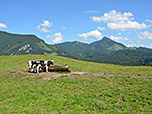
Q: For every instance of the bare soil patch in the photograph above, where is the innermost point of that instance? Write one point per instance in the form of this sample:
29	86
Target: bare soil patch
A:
50	75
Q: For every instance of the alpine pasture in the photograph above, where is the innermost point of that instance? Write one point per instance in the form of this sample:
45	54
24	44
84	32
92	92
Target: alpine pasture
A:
116	89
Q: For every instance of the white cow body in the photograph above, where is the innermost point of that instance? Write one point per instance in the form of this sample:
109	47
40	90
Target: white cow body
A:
38	64
31	66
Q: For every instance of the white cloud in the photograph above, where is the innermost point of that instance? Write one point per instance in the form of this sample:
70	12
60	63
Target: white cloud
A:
46	23
118	38
149	20
57	37
98	19
101	28
91	11
123	26
118	21
145	35
64	28
147	46
3	25
48	36
114	17
95	34
131	45
43	27
137	43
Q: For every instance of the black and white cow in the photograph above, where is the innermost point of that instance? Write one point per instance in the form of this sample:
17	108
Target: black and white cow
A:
31	65
38	64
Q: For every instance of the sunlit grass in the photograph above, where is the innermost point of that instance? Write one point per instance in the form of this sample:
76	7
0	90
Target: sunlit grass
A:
131	93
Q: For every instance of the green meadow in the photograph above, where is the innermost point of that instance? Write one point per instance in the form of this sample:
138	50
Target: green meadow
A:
126	89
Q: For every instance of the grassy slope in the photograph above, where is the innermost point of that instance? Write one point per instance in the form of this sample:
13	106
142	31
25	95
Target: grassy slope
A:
75	94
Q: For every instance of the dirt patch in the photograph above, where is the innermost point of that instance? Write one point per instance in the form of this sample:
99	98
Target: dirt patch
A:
50	75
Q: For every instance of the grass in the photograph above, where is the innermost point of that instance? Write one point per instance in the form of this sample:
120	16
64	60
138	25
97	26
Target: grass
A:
131	93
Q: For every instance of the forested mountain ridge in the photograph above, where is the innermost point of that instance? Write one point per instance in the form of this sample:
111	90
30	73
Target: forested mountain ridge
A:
15	44
106	45
102	51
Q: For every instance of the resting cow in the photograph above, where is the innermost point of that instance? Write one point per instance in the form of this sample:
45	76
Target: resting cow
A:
38	64
31	65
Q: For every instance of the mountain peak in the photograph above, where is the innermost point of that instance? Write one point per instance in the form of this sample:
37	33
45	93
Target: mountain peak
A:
105	45
78	42
104	40
107	39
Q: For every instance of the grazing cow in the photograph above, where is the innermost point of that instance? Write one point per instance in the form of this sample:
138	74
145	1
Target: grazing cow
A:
40	63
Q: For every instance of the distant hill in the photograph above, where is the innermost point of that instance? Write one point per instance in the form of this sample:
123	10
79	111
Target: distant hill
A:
15	44
144	49
102	51
106	45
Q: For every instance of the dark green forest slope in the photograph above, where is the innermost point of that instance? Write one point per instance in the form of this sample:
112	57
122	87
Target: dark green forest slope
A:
15	44
106	45
103	51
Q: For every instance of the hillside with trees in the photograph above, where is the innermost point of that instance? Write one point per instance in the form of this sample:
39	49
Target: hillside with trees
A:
102	51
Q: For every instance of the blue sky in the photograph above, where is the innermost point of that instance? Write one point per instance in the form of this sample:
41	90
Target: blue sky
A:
57	21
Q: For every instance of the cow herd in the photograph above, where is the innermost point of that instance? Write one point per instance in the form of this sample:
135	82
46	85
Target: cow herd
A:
35	65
